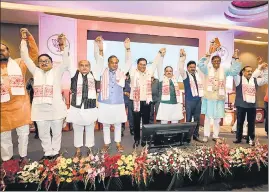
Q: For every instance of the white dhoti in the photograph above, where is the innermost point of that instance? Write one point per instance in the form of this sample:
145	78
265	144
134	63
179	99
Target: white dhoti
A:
7	145
170	112
109	114
216	127
51	146
82	118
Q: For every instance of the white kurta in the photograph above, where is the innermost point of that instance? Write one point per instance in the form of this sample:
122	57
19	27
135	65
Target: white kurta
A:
58	109
81	116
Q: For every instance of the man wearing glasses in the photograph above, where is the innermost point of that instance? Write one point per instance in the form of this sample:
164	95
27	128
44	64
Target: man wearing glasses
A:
48	107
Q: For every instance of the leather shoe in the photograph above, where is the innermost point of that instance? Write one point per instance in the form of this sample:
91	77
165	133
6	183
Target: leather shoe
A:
136	144
237	141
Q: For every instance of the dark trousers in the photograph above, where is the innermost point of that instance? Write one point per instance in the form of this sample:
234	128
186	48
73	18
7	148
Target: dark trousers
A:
251	117
152	105
266	116
129	115
36	129
144	113
193	109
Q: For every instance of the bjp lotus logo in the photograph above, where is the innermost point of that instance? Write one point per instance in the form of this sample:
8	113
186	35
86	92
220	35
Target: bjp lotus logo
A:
217	49
53	44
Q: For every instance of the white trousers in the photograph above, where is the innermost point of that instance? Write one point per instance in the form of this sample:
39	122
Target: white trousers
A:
7	145
117	133
79	132
51	146
216	127
166	122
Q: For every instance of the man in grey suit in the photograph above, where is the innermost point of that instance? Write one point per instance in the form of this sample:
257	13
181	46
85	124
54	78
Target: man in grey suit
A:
155	98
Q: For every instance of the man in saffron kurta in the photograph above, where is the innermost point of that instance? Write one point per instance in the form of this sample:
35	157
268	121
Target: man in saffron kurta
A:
214	93
15	112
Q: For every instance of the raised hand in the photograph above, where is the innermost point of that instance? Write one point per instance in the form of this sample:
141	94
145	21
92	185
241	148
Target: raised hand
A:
99	40
207	55
182	53
24	33
127	43
235	55
260	60
61	41
162	51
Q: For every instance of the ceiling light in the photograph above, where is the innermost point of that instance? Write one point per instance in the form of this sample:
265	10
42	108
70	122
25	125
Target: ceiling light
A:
125	16
259	37
250	42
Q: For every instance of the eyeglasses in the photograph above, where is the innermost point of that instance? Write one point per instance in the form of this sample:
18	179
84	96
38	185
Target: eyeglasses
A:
45	62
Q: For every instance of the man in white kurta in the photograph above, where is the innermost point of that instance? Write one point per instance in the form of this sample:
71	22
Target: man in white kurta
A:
48	107
141	90
83	111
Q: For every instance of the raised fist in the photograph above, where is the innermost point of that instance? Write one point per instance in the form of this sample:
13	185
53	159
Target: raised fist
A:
127	43
236	53
207	55
260	60
24	33
182	53
162	51
61	41
99	40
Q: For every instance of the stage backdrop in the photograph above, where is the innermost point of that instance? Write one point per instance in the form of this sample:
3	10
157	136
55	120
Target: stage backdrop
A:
226	39
49	27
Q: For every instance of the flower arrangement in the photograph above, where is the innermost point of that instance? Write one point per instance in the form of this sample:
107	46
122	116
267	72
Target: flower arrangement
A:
126	165
48	173
111	165
30	173
140	172
64	170
139	166
257	155
238	157
10	169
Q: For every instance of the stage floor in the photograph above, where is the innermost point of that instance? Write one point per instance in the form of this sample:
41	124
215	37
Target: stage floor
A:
35	151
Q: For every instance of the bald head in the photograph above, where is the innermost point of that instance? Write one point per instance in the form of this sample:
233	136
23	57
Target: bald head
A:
84	67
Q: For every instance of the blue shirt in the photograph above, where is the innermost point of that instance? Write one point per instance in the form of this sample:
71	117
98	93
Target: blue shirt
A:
115	91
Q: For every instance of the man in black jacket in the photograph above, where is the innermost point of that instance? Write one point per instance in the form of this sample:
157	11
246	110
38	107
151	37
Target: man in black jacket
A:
155	99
